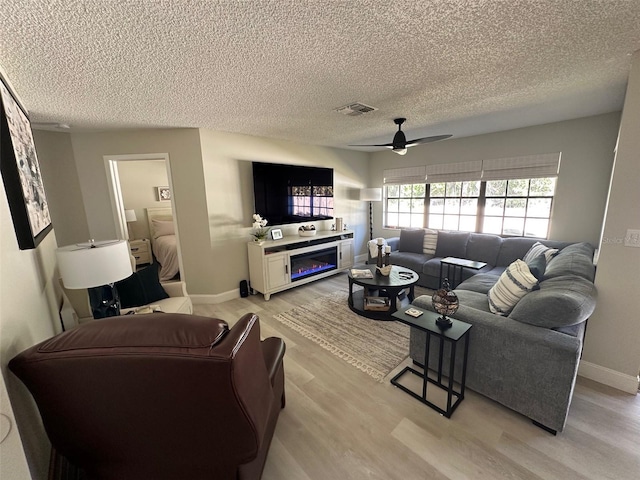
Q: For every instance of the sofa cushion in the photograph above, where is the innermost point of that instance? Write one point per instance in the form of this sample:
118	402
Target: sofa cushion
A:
414	261
537	266
576	259
141	288
430	241
560	302
411	240
517	247
539	249
513	284
452	244
483	247
480	283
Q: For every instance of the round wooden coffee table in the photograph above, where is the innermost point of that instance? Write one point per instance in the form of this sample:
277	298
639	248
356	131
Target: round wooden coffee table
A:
381	296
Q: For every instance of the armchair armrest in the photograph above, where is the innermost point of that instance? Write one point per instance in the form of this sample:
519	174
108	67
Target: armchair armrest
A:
175	289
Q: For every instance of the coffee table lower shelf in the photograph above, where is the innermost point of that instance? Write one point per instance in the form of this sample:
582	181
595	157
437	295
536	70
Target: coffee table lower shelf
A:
356	304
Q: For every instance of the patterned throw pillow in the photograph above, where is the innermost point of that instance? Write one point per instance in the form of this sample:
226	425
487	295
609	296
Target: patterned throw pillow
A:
514	283
539	249
430	241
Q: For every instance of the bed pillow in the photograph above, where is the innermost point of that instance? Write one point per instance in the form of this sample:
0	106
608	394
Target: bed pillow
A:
411	240
141	288
162	228
514	283
430	241
538	249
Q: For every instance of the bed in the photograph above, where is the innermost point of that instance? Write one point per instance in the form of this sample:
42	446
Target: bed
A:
163	241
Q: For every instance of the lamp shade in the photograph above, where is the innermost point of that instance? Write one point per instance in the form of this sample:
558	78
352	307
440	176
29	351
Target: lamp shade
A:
371	194
94	264
130	216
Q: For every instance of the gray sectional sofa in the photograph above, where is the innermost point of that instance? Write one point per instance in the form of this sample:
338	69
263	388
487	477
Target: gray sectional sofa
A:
528	360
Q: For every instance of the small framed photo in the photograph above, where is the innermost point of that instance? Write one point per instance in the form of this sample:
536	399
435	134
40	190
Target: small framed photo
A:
164	194
276	233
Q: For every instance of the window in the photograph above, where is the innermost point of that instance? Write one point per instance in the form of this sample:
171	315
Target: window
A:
405	205
516	207
520	207
453	205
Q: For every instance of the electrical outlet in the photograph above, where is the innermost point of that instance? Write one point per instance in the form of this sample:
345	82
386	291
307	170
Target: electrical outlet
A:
632	239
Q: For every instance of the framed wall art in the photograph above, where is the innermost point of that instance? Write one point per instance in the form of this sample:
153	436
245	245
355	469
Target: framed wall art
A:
21	173
164	194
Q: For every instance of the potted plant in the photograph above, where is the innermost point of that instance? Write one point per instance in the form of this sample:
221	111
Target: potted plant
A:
259	229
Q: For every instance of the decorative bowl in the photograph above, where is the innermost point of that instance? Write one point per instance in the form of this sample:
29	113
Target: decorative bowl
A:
307	233
385	271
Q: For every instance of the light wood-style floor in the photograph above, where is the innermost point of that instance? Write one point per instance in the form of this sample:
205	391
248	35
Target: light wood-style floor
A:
340	424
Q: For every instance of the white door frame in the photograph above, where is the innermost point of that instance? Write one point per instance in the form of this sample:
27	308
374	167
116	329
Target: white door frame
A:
115	194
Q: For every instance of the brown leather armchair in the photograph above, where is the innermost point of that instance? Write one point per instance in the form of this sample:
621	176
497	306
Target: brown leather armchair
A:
159	396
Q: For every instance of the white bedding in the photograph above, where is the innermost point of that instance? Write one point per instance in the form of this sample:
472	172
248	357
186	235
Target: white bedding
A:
166	251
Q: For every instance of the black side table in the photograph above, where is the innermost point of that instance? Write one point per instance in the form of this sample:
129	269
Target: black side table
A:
459	330
457	265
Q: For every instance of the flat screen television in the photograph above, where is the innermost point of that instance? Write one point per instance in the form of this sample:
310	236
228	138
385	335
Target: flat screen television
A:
287	194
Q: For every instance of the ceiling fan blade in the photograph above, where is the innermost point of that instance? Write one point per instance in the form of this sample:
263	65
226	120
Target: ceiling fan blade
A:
376	145
421	141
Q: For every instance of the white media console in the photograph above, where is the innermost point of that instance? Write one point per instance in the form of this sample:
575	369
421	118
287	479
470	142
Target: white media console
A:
277	265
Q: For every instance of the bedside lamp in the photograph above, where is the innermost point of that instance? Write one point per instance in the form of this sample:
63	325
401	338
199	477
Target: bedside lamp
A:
96	266
130	217
371	195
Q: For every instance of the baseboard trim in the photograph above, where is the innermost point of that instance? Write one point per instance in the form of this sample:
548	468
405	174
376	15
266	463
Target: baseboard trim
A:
214	299
612	378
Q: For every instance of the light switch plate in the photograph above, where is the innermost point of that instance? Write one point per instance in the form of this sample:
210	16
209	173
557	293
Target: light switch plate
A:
632	238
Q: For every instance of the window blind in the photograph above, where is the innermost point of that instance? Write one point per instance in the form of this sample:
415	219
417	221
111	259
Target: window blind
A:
404	175
531	166
454	172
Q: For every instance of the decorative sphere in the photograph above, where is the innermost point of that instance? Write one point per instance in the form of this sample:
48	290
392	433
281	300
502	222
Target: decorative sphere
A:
444	301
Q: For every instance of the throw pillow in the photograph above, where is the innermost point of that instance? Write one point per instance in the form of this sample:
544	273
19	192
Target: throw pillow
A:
537	266
514	283
538	249
162	228
430	241
141	288
411	240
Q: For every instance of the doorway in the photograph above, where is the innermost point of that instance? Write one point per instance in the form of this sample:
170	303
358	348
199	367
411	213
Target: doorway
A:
140	184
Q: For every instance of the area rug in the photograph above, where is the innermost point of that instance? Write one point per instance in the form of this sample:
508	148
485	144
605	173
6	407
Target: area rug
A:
374	347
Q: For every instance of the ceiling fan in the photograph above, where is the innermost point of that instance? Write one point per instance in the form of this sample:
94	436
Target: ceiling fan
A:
400	143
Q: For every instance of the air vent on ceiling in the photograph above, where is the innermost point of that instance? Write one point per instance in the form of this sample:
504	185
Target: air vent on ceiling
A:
355	109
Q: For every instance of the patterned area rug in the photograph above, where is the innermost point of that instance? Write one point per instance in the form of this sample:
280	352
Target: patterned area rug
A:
373	347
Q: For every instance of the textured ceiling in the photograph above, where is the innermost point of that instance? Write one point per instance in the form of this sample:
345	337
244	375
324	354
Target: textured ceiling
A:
279	68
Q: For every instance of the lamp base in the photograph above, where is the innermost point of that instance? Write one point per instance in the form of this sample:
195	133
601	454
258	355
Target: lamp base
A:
104	301
443	323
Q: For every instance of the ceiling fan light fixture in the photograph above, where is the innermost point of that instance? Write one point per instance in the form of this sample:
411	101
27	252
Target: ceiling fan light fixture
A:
400	151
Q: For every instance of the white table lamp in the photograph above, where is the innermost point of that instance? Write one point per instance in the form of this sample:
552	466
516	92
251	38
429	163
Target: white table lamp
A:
96	266
130	217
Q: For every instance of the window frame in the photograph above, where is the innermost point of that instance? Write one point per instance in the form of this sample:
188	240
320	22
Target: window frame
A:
480	208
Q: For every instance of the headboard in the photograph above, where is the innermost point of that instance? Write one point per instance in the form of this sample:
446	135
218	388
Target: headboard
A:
159	213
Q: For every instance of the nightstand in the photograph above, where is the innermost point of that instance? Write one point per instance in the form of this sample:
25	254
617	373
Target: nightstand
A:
141	250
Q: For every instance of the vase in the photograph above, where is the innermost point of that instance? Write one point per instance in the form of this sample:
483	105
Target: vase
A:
259	241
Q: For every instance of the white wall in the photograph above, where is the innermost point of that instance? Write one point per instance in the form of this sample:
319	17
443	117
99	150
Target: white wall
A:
62	185
138	182
29	299
586	144
229	187
613	334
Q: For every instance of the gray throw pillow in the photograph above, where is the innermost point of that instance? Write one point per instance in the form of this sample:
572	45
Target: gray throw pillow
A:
411	240
537	266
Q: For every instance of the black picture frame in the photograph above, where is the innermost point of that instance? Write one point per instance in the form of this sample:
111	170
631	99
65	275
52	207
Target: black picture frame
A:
276	233
21	173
